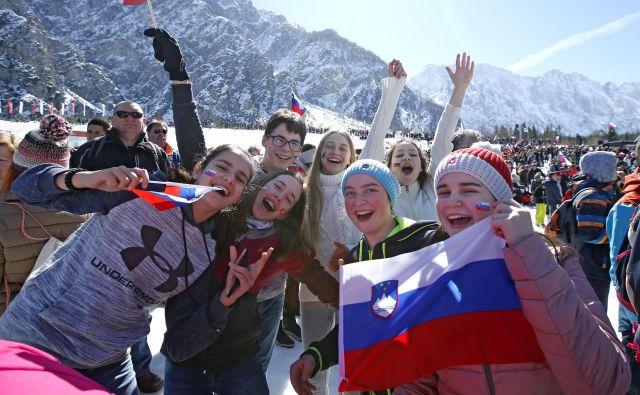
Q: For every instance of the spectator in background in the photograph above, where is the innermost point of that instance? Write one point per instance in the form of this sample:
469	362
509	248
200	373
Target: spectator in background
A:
465	138
553	190
254	151
157	131
96	128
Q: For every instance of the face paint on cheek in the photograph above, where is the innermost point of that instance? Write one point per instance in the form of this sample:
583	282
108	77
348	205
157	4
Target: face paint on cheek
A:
210	173
483	206
282	211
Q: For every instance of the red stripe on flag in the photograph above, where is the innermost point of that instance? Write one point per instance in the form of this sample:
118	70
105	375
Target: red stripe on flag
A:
156	201
494	337
133	2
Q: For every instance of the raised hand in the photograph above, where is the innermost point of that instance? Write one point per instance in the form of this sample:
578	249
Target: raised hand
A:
511	221
461	78
111	180
299	374
167	50
244	277
395	69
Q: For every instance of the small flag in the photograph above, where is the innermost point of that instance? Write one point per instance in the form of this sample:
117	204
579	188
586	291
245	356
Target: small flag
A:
20	107
41	107
103	110
51	108
563	159
84	109
296	105
10	107
133	2
168	195
73	108
404	317
62	109
612	125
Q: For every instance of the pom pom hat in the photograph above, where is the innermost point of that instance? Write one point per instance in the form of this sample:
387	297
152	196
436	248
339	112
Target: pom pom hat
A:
486	166
377	170
48	144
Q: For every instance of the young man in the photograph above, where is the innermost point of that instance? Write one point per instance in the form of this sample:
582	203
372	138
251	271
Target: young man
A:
96	128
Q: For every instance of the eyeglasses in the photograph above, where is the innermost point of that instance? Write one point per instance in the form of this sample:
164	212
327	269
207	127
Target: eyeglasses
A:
280	141
127	114
158	131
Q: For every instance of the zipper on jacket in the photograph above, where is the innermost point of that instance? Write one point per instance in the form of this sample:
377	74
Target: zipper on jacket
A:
489	377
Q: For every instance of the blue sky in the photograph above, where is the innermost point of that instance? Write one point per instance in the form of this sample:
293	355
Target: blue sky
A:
598	38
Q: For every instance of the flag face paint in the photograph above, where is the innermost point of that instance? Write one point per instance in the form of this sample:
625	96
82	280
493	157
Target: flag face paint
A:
484	206
392	310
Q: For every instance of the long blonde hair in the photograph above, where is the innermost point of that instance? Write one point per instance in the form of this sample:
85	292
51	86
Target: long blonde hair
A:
313	187
11	141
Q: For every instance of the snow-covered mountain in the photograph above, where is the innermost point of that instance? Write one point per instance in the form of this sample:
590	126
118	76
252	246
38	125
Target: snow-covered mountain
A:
243	62
497	96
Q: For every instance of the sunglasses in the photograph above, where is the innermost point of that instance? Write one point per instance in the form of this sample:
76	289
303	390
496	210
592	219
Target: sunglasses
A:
158	131
127	114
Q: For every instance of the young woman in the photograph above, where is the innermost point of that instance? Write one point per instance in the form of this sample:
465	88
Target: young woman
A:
205	356
86	305
408	162
582	353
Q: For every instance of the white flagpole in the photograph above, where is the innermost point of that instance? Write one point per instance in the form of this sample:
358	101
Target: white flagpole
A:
154	21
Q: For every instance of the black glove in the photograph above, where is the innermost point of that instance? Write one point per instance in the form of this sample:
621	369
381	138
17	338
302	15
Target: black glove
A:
167	50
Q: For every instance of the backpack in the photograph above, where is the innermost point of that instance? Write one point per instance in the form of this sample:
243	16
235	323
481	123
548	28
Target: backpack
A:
622	266
583	217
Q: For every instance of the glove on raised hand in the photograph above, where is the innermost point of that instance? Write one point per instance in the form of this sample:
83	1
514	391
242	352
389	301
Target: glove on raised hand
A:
167	50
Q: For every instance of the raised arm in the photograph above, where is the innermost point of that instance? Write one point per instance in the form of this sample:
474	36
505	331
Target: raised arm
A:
189	133
461	78
391	88
94	191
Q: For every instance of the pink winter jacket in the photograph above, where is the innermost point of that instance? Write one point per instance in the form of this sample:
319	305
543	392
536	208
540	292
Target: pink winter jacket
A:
583	354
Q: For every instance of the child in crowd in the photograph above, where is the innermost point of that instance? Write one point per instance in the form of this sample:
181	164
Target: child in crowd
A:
582	353
86	304
222	358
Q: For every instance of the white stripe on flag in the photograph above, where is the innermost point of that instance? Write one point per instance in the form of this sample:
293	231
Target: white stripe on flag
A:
420	268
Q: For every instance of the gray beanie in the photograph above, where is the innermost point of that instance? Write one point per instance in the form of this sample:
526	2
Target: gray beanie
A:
599	165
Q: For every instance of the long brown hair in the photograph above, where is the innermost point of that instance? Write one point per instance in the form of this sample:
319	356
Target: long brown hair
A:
313	187
182	175
288	229
11	141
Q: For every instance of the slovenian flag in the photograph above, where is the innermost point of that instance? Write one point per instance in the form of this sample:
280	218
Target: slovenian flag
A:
168	195
296	105
563	159
449	304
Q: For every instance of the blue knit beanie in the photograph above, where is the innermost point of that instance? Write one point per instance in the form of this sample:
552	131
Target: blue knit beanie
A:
377	170
600	165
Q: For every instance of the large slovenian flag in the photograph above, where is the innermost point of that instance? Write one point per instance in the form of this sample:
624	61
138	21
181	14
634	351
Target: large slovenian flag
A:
133	2
449	304
168	195
296	105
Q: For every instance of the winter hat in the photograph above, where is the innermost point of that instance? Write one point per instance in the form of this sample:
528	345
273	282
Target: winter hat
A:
45	145
599	165
486	166
377	170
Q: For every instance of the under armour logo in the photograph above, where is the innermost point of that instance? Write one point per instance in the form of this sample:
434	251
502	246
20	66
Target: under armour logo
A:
133	256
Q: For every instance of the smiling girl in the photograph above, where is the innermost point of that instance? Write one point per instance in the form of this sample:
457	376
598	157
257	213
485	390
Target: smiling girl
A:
86	304
582	353
221	357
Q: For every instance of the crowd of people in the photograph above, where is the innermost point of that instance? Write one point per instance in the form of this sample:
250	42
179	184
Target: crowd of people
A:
236	266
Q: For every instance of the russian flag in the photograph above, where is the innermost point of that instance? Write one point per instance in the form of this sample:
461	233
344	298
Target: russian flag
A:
133	2
168	195
296	105
563	159
449	304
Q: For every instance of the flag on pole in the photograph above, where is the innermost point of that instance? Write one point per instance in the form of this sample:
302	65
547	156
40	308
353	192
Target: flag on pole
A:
563	159
73	108
133	2
296	105
20	107
62	109
103	110
51	108
404	317
168	195
41	107
10	107
84	109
